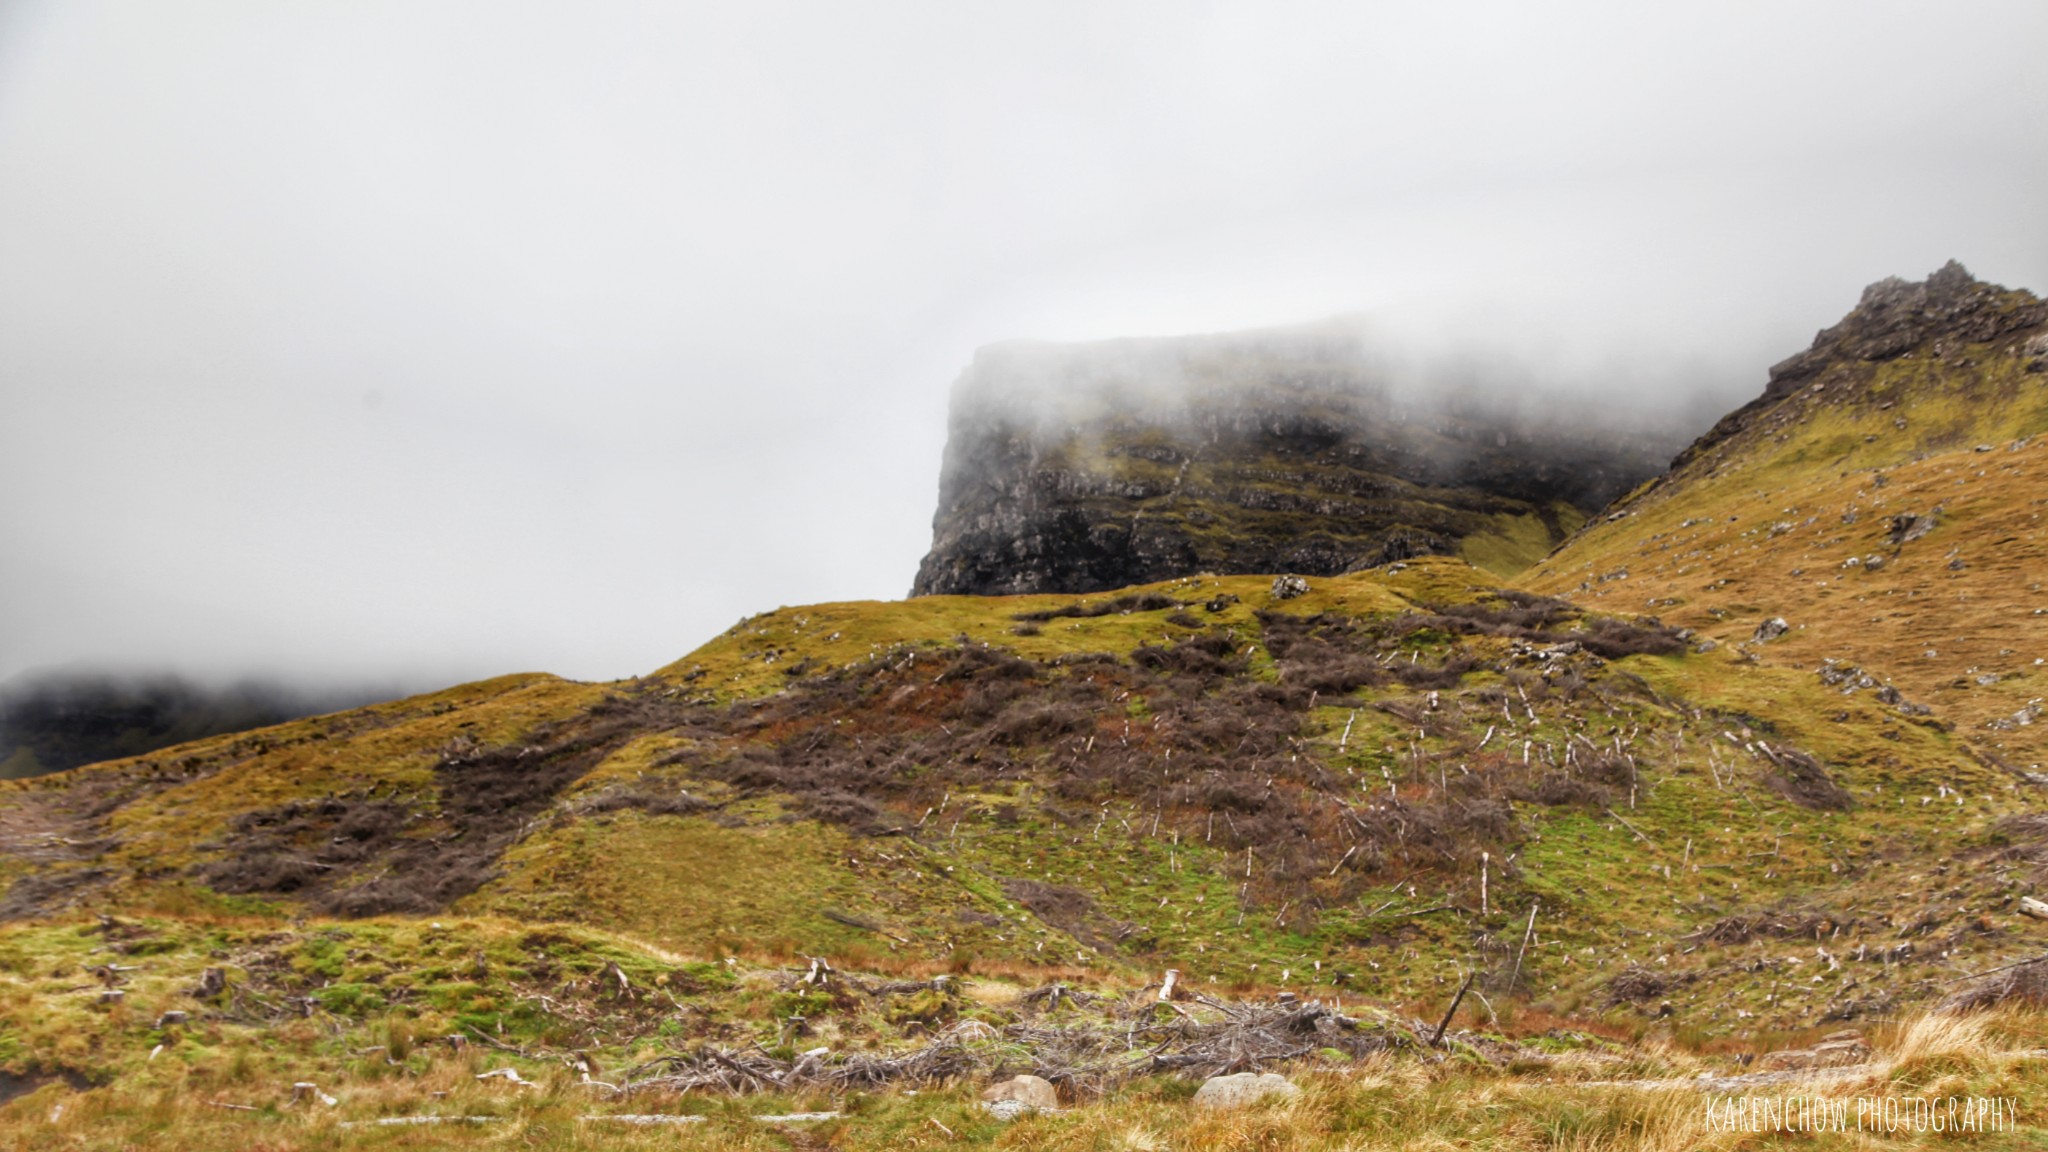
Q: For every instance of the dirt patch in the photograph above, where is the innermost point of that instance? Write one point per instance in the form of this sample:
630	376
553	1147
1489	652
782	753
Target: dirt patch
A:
1535	619
1557	790
643	796
2022	838
1332	655
1200	656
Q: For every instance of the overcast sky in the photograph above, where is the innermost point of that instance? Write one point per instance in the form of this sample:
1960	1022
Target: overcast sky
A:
356	339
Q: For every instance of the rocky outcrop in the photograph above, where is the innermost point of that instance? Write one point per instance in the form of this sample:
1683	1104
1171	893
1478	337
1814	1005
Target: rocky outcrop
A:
1079	468
1940	317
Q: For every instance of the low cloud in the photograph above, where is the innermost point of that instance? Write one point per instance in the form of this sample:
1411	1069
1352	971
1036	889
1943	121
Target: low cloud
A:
437	341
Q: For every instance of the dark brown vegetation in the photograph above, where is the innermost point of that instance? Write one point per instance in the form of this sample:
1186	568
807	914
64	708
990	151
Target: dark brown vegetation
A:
1774	923
1086	609
363	855
1801	779
1190	734
1523	616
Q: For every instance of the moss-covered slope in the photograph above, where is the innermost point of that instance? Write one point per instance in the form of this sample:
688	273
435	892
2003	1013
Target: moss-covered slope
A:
1354	791
1885	499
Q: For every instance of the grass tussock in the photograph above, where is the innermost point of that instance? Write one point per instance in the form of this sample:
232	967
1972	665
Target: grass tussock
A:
1940	1036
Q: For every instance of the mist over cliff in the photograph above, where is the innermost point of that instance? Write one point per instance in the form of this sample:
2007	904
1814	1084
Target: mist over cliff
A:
1313	449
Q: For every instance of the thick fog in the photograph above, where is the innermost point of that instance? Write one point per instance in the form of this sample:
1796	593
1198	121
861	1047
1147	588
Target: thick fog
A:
436	340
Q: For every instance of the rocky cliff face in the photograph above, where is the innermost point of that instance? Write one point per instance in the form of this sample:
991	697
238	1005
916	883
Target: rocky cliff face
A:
1079	468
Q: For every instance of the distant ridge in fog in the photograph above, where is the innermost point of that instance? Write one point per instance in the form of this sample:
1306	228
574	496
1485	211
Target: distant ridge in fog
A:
53	721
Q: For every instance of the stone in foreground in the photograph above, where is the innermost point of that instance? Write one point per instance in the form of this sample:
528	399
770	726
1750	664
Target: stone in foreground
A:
1020	1095
1243	1089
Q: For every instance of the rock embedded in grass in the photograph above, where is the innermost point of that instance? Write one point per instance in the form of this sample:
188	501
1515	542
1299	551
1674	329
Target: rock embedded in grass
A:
1020	1095
1243	1089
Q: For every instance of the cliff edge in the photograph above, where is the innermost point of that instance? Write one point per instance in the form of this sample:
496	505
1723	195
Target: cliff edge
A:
1084	467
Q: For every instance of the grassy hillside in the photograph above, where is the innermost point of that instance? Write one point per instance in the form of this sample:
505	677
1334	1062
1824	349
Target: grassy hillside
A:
1648	830
1306	794
1890	510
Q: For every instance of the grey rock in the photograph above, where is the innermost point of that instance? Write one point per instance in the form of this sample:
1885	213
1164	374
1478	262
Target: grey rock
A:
1288	587
1908	527
1018	1095
1243	1089
1771	629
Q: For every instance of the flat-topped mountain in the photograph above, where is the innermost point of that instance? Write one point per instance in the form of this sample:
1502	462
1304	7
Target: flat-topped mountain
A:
1085	467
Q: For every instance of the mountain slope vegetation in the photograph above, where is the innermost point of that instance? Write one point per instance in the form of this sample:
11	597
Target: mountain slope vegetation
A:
1695	776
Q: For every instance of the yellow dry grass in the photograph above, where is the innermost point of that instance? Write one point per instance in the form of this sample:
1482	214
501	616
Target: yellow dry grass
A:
1956	620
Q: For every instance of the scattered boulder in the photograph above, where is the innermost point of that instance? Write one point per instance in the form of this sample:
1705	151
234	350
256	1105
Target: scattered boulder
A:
1907	527
172	1019
1288	587
1771	629
1845	676
1243	1089
2023	718
1018	1096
